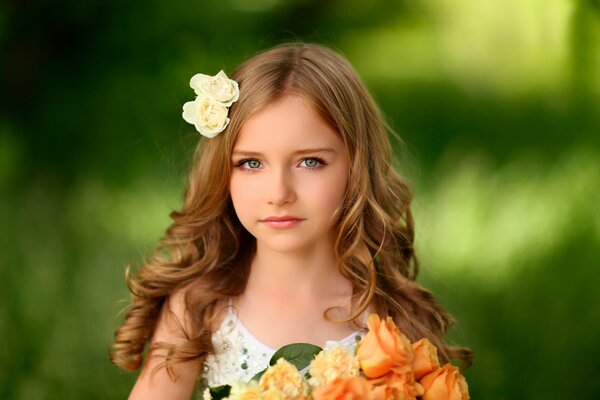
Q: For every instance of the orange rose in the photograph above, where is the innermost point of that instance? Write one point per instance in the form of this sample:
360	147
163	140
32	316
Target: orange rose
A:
350	389
445	383
397	387
384	349
426	359
384	392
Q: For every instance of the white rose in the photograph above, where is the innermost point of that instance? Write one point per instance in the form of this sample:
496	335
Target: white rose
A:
219	87
207	115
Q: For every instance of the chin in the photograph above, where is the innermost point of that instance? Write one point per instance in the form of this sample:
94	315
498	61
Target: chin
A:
285	245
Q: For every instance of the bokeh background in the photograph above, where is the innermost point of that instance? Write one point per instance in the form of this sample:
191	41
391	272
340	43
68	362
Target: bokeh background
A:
498	102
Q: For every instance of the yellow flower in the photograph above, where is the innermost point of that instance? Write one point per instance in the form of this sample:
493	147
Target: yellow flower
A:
284	377
219	87
207	115
272	394
333	364
245	391
208	112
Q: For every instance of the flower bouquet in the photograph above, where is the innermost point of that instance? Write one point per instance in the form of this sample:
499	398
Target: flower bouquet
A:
386	366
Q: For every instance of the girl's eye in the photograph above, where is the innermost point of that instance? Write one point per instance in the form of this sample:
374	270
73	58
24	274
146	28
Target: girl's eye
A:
312	162
252	164
249	163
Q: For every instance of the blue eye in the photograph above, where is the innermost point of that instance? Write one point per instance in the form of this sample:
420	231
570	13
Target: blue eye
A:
312	162
253	164
248	163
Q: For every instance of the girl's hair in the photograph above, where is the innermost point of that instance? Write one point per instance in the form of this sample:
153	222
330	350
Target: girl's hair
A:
206	252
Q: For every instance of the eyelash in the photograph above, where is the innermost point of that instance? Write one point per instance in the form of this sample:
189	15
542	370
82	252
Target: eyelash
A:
240	163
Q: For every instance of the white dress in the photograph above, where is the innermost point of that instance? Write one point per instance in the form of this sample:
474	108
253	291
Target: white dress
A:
239	355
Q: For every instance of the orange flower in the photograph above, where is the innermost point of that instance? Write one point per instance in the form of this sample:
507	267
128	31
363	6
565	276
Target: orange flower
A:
397	387
385	392
350	389
445	383
426	359
384	349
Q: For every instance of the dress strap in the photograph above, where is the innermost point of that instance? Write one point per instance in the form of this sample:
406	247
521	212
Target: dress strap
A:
230	305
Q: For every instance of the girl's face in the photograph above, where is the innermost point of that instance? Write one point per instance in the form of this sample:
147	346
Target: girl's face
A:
289	176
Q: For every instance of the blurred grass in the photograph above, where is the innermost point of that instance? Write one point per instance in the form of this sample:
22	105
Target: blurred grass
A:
496	100
513	251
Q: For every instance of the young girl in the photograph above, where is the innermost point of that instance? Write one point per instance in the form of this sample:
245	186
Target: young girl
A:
294	227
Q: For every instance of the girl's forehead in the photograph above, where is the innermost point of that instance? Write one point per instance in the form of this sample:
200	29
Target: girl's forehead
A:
287	124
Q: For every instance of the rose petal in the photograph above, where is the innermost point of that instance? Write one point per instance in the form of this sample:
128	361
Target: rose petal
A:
189	112
384	349
425	358
350	389
445	383
197	83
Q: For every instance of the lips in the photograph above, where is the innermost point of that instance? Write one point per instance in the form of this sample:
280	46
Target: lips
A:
283	218
283	222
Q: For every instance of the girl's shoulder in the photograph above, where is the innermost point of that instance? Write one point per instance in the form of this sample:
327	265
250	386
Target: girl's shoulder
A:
175	318
172	326
179	309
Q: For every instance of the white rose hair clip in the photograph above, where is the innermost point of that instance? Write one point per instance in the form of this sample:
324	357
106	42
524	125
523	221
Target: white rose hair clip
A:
214	94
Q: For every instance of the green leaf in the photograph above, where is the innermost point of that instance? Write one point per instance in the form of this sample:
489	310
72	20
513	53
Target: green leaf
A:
220	392
258	375
298	354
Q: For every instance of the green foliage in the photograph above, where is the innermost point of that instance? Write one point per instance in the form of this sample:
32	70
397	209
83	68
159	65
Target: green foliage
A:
219	392
298	354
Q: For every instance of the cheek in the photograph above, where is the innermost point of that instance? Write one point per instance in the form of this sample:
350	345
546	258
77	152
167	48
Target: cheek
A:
246	197
330	190
239	196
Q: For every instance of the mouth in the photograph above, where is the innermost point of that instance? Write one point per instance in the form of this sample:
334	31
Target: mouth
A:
282	222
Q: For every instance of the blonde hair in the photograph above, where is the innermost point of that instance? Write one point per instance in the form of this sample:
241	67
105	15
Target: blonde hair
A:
208	252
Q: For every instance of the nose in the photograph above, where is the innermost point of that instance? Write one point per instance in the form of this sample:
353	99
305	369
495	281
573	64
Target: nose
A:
280	187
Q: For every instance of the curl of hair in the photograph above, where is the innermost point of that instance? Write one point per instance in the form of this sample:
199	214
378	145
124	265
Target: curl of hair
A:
206	252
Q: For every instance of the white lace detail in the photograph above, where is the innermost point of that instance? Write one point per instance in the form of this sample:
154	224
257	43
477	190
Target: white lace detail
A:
239	355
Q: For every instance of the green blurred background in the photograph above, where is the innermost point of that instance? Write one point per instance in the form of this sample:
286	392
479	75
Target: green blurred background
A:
497	100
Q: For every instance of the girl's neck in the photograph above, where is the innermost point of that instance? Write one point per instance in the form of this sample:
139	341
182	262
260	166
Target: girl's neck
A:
297	274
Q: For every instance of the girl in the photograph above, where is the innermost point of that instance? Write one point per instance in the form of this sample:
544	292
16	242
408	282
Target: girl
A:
294	226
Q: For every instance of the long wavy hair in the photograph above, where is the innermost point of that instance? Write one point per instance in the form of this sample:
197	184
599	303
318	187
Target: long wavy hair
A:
206	252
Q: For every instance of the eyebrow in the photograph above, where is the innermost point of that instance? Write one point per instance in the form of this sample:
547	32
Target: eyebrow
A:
298	152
